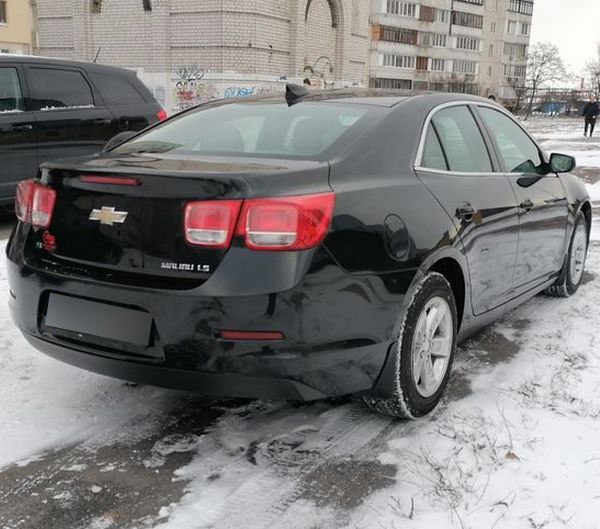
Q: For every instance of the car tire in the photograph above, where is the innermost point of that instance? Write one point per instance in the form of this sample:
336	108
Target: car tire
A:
424	354
571	278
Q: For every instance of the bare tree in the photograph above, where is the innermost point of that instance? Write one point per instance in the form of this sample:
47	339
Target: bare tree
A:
544	67
520	90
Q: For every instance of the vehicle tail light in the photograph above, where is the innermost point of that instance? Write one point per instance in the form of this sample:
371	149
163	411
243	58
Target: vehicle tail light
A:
42	205
251	335
211	223
287	223
109	180
162	115
34	203
23	200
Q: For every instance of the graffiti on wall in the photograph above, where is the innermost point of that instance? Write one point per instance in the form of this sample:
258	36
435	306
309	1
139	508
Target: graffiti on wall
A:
192	87
190	90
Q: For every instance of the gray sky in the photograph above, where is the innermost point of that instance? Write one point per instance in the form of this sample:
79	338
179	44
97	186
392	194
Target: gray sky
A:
573	25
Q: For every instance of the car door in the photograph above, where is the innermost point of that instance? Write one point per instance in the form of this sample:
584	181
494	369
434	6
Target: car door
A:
543	205
456	166
72	119
18	149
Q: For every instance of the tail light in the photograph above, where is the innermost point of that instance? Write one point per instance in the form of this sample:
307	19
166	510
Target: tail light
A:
35	203
287	223
211	223
23	200
162	115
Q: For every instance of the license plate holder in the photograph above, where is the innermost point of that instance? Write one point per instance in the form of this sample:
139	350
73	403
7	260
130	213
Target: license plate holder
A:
99	319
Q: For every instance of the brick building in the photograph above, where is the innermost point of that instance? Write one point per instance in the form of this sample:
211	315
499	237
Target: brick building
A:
474	46
212	47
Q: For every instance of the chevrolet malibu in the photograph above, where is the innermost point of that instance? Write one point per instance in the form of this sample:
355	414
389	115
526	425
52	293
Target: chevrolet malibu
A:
297	247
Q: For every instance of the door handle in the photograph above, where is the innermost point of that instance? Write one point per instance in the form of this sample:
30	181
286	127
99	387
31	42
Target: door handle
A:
466	212
22	127
526	205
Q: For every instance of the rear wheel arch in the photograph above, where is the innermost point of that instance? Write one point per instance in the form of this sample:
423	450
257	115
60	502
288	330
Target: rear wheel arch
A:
586	209
453	272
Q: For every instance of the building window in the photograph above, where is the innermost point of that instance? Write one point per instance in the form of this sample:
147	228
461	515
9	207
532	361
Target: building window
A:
420	85
515	70
3	12
489	71
427	14
467	43
511	27
403	36
147	5
96	6
441	15
493	27
394	84
438	65
406	9
422	63
475	2
398	61
515	50
491	50
525	7
524	29
469	20
469	67
437	40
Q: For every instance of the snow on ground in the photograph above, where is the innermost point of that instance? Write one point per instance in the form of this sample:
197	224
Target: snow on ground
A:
514	444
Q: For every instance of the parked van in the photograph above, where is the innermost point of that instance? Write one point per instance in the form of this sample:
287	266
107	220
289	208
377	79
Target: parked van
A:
52	108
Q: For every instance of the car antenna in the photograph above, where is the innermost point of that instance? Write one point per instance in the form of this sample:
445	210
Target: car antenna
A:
294	93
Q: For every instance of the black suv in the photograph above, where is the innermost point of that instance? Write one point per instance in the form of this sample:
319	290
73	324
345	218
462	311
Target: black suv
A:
51	108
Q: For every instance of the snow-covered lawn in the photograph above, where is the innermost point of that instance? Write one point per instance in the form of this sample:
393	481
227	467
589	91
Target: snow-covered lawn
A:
514	445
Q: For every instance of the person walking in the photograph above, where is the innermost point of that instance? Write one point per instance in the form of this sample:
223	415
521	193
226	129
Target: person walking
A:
590	113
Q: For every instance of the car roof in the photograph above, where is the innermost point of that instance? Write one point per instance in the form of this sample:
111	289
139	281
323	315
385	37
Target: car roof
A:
373	96
37	59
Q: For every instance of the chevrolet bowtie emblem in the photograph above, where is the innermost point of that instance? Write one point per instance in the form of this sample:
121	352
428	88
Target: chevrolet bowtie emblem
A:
108	216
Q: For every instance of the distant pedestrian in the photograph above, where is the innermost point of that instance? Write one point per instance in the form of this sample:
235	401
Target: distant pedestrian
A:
492	97
590	113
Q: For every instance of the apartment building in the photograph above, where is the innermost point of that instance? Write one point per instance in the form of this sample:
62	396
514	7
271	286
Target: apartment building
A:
16	26
470	46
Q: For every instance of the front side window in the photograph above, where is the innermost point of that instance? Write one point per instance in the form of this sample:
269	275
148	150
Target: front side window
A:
59	89
462	141
518	153
11	98
256	129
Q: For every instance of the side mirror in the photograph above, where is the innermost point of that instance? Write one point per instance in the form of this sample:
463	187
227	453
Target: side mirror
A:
562	163
119	139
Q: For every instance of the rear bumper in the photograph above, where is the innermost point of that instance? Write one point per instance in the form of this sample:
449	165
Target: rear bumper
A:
214	384
338	332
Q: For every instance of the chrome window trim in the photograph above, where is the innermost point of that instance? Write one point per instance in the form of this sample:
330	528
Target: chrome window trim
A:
419	157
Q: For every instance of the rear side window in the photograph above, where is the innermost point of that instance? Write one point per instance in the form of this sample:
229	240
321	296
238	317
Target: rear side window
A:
433	155
11	98
59	89
518	153
302	130
117	90
462	141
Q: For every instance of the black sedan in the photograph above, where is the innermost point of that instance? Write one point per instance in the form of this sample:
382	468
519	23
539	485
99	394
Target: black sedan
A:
296	248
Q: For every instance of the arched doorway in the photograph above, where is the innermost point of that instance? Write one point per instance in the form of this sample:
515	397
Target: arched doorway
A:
322	39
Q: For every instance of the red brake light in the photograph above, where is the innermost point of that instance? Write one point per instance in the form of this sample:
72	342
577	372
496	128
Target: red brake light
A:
34	203
287	223
109	180
42	205
162	115
23	200
211	223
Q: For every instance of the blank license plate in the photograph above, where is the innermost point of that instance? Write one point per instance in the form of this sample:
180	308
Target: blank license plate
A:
98	319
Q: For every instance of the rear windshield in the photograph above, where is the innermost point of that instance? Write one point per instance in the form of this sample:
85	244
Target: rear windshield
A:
274	129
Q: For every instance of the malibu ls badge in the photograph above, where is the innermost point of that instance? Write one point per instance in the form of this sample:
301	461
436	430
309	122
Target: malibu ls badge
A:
108	216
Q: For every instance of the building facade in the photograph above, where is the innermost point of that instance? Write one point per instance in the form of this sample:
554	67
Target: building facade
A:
16	27
212	48
471	46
